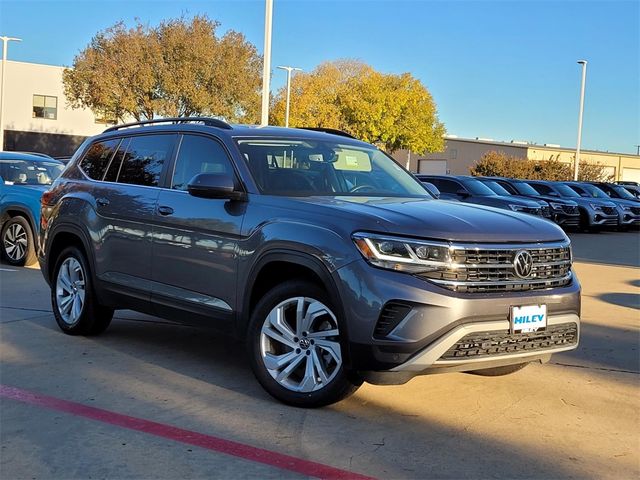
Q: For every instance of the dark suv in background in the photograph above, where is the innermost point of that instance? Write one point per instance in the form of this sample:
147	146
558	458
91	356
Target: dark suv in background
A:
322	253
564	212
470	190
594	213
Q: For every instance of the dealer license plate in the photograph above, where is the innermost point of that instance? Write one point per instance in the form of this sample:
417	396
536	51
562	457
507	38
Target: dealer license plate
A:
528	318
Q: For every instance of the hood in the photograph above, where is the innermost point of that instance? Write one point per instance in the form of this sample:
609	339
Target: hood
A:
440	220
504	201
585	201
550	198
30	188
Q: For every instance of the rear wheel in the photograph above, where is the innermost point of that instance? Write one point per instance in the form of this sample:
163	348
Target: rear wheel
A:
296	347
18	246
75	306
499	371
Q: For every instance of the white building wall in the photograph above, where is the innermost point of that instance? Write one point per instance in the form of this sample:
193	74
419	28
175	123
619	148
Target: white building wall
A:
22	81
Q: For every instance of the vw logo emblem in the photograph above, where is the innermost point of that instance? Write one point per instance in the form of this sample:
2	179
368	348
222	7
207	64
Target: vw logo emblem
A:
305	343
523	264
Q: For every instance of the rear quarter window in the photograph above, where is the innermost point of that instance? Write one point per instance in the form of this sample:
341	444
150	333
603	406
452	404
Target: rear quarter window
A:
96	160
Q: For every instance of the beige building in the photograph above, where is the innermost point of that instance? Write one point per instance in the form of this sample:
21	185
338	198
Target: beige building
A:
462	153
36	116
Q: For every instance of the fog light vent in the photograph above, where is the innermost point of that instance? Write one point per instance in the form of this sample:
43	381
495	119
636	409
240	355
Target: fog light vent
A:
390	316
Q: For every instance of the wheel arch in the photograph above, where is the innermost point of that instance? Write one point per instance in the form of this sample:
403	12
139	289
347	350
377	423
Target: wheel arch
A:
13	210
64	236
277	266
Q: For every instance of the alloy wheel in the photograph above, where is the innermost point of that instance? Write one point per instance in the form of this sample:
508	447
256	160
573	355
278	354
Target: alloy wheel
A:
299	344
15	242
70	290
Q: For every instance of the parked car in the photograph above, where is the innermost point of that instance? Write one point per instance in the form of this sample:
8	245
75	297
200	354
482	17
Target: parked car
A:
628	182
614	191
432	189
470	190
564	211
319	250
23	178
594	213
628	210
633	190
503	192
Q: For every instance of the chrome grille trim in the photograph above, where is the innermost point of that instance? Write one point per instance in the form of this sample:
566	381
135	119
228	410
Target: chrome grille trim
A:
487	268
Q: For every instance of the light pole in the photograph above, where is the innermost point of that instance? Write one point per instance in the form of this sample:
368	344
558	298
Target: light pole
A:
5	42
576	165
289	70
266	69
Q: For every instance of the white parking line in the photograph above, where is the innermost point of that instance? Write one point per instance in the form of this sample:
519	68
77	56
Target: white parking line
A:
7	270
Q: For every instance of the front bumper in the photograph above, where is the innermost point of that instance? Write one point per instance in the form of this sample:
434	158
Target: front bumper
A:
565	219
437	318
598	218
628	218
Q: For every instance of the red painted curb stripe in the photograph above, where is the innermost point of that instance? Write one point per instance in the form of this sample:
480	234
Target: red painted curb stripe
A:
217	444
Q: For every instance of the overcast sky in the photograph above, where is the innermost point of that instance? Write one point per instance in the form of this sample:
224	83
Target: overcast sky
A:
503	70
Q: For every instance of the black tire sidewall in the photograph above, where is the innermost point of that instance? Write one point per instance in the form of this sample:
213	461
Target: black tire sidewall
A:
93	318
30	254
342	385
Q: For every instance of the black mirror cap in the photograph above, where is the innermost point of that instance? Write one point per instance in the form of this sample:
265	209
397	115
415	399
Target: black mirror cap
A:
463	193
215	185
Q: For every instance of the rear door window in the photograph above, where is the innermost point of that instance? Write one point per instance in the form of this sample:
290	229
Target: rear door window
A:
140	159
96	160
446	186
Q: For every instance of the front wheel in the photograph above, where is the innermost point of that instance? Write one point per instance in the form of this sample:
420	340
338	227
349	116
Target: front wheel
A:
296	347
74	303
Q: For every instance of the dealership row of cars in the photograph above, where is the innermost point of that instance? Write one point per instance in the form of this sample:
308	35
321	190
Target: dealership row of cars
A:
587	205
584	205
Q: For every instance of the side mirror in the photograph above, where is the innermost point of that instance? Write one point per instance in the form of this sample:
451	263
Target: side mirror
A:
584	194
553	193
462	193
214	185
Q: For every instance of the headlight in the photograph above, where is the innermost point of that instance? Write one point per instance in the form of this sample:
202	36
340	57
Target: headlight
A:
626	207
556	206
595	206
401	254
517	208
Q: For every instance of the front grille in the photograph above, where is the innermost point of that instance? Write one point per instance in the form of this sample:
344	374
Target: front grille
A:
546	211
532	210
609	210
501	343
571	209
485	269
635	210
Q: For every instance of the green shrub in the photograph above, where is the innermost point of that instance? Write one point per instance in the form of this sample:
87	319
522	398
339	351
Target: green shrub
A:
499	164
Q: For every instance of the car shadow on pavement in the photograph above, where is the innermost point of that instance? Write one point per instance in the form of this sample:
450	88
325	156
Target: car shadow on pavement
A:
631	300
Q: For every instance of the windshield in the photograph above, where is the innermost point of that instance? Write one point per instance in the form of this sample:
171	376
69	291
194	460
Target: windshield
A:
525	188
27	172
565	191
497	188
594	191
476	187
297	167
622	192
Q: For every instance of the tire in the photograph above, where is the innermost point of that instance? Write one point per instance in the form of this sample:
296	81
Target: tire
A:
72	282
499	371
18	245
311	371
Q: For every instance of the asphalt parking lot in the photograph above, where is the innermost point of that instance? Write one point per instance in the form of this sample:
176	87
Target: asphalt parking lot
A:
149	399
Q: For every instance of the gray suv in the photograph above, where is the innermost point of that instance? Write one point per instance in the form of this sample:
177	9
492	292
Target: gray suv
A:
329	259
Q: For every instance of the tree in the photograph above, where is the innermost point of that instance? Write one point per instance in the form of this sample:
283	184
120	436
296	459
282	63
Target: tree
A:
393	111
498	163
178	68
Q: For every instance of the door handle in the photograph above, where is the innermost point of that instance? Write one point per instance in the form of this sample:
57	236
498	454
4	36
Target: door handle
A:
164	210
102	202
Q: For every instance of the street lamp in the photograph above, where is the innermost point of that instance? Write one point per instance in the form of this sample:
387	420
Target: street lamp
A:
266	68
5	42
289	70
576	165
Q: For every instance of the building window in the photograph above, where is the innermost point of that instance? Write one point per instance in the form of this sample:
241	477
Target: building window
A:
45	107
453	154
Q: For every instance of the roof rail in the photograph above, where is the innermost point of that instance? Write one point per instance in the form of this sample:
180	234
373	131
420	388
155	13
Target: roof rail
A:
208	121
332	131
